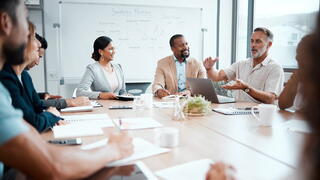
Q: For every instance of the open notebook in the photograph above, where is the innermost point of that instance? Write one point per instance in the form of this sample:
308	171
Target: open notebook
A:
82	125
234	111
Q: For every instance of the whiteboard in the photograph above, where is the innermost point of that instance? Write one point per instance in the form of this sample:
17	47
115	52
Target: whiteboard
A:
140	34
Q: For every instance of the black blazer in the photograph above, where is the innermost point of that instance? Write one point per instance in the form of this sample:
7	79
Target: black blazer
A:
25	97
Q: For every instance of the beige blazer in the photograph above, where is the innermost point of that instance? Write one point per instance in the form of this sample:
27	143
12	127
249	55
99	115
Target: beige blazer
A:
166	74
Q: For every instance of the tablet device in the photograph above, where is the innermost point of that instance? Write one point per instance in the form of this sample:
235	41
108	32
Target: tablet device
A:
125	98
137	171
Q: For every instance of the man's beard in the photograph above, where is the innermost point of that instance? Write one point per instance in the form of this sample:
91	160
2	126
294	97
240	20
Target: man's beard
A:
185	56
14	56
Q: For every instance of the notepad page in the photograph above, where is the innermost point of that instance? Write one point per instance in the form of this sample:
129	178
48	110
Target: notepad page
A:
195	170
137	123
66	131
90	120
142	149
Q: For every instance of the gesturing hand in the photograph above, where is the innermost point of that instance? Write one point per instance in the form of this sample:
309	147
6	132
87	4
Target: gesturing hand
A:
238	85
209	62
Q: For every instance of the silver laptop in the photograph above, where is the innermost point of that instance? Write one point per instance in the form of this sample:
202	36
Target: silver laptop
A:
205	88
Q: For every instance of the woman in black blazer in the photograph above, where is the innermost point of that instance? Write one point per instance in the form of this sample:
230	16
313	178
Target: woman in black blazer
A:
24	97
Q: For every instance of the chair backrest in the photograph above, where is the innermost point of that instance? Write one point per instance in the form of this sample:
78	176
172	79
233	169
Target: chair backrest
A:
74	94
137	88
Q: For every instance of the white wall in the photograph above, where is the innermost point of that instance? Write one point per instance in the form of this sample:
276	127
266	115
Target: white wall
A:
51	16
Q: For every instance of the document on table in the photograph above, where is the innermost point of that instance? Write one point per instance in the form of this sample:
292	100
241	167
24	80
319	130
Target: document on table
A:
195	170
82	125
169	104
89	120
77	109
137	123
297	126
142	149
71	130
96	104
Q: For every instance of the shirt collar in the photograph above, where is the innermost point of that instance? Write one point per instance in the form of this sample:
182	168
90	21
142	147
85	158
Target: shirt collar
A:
176	59
263	63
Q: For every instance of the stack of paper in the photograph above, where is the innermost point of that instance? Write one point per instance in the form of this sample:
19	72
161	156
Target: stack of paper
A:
89	120
70	130
195	170
82	125
142	149
77	109
137	123
297	126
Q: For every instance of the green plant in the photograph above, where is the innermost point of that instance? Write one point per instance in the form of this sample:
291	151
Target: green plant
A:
197	105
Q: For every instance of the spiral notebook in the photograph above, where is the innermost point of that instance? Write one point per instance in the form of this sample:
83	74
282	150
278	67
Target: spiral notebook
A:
234	111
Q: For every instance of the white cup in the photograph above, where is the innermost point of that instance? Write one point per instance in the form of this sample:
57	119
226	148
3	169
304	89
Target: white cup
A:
148	100
167	137
266	113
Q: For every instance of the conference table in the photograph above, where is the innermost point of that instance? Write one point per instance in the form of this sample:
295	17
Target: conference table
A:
255	151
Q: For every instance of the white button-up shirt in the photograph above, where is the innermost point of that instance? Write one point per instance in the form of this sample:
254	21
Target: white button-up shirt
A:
267	76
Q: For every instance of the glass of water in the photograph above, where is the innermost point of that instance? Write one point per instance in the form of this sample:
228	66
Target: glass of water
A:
138	102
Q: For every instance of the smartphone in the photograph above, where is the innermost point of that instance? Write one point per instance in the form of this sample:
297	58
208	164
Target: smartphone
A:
120	107
76	141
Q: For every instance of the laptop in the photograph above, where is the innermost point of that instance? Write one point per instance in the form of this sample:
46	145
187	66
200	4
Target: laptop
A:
205	88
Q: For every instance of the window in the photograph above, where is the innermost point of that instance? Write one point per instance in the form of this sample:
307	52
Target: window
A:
242	30
289	20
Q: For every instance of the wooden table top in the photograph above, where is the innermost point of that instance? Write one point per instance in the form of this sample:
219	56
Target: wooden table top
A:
256	152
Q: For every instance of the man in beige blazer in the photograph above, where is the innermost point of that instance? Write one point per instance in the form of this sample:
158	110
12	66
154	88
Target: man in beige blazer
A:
172	71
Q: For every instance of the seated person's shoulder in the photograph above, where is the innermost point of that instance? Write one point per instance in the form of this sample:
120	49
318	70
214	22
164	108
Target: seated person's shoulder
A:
93	66
274	65
165	60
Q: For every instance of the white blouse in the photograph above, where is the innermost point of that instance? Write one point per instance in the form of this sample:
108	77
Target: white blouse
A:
112	79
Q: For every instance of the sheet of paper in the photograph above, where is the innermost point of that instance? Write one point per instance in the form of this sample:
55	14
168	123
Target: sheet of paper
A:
195	170
70	130
169	104
89	120
142	149
297	126
77	109
137	123
96	104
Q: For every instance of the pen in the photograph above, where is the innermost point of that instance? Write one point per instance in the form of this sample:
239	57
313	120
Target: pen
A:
116	125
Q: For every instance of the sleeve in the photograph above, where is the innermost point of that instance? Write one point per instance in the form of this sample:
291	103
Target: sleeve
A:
159	79
202	71
231	71
83	88
11	124
57	103
40	120
275	81
42	94
123	85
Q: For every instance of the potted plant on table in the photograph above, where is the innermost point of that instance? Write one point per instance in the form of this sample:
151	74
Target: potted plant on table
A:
196	106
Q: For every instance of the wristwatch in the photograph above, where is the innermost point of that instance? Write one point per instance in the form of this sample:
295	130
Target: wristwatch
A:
247	90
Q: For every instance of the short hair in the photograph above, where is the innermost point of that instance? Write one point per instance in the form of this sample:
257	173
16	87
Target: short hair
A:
42	40
10	7
176	36
266	31
100	43
32	30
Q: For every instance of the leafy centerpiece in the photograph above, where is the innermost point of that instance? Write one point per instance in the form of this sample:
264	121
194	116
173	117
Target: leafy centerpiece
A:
197	106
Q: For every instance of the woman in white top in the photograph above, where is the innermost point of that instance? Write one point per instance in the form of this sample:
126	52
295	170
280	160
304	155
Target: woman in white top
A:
103	79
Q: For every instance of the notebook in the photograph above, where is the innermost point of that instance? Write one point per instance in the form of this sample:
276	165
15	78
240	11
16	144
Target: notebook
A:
89	120
234	111
77	109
